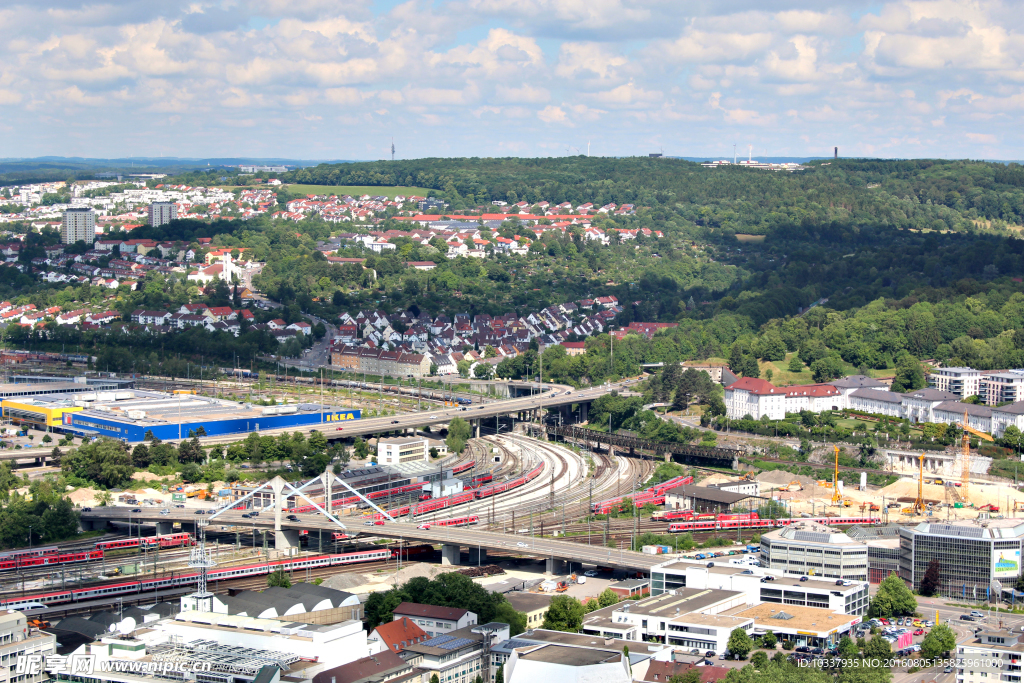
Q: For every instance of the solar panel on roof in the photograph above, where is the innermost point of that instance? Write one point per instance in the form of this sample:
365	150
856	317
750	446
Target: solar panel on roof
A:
457	643
962	531
437	641
811	536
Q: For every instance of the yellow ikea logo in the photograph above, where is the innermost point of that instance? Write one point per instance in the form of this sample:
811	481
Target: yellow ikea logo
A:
340	416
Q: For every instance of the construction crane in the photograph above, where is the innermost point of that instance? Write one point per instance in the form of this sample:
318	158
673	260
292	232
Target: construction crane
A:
965	449
919	505
837	497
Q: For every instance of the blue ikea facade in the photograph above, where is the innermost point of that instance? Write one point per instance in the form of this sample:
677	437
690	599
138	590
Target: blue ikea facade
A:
93	425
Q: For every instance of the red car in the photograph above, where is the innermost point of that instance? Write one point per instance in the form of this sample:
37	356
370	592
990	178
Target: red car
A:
379	522
919	632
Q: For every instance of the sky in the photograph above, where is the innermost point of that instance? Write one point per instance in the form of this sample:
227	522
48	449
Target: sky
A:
338	79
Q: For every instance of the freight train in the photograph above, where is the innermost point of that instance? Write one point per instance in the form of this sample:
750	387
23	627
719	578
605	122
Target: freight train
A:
34	603
652	494
713	522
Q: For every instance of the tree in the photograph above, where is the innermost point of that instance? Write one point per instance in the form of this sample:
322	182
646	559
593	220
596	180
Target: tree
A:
483	371
769	640
608	598
877	648
795	364
278	578
939	640
140	456
759	660
507	614
564	614
826	369
499	676
848	648
459	432
105	461
909	375
60	521
892	599
463	368
740	643
931	582
191	473
434	679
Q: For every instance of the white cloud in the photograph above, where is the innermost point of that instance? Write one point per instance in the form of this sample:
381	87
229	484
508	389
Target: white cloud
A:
479	77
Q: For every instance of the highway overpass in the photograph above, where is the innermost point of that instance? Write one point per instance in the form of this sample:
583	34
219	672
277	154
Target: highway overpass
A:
451	539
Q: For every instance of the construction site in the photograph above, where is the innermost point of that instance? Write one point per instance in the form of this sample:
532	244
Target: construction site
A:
917	496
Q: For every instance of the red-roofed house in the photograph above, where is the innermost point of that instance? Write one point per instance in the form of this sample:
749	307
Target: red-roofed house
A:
395	636
277	324
754	397
574	348
812	397
662	672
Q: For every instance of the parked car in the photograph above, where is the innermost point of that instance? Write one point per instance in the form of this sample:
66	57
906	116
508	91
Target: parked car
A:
948	670
919	632
591	573
709	653
966	617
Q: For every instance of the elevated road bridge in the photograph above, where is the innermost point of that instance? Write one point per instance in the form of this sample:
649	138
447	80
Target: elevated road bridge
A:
451	539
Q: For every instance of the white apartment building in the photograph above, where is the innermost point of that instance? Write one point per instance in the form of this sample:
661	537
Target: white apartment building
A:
161	213
992	657
876	401
1002	387
815	398
17	639
754	397
952	412
919	406
78	223
963	382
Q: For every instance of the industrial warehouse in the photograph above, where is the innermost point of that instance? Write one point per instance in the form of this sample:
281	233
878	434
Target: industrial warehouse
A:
130	415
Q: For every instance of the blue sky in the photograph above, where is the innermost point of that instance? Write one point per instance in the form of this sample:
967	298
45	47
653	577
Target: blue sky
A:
323	79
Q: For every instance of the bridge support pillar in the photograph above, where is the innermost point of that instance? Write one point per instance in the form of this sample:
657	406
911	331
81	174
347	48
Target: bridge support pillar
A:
477	430
163	528
450	555
286	539
584	412
477	556
88	525
632	452
553	566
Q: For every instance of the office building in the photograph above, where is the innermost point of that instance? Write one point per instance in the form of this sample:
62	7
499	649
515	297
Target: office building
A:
814	549
677	575
161	213
989	657
883	543
971	554
18	639
643	657
435	620
78	225
397	451
459	656
533	605
963	382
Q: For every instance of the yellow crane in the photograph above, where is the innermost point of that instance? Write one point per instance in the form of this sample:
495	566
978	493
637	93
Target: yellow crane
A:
965	450
837	497
919	505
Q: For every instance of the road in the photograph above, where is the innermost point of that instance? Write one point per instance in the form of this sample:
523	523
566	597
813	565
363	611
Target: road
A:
458	537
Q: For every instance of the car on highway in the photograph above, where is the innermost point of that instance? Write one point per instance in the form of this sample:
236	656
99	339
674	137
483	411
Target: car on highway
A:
292	518
339	429
179	505
86	509
246	515
948	670
804	578
368	522
425	526
136	510
520	544
379	522
966	617
165	511
394	422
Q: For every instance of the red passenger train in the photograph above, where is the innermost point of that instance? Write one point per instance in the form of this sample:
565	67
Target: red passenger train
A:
164	541
30	603
25	560
752	521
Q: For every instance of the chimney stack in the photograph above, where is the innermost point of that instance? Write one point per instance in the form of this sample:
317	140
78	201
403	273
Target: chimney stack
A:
836	153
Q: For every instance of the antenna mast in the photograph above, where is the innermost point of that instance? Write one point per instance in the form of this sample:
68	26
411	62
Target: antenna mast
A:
202	599
392	149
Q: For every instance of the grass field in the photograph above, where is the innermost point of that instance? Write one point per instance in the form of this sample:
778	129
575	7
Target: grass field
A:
357	191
